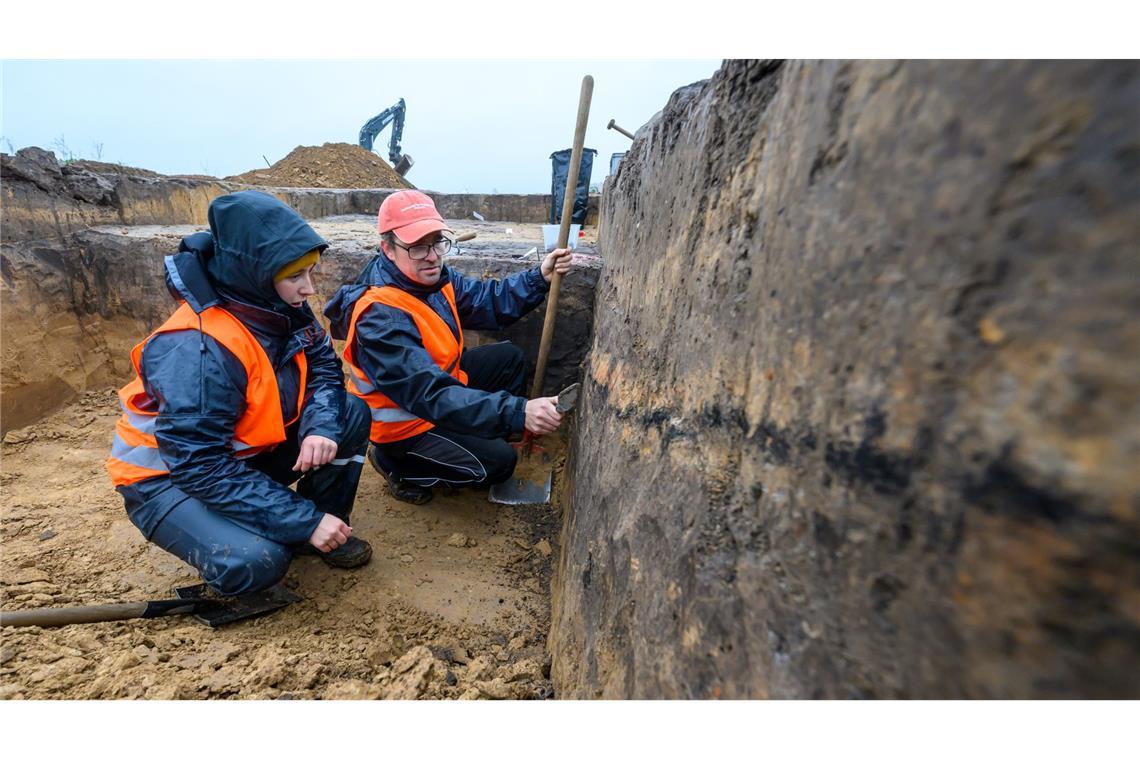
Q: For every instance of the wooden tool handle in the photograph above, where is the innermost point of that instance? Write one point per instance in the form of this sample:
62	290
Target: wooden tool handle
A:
465	237
46	617
570	195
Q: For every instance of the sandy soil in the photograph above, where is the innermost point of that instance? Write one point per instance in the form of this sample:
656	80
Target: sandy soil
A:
455	603
330	165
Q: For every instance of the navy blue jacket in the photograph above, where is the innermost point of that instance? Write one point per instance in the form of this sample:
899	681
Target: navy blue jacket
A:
389	350
199	386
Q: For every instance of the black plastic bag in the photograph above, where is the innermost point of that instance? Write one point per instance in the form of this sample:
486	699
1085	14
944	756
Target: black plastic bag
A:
561	162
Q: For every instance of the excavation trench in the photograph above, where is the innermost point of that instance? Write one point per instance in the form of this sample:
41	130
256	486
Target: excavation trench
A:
456	600
860	416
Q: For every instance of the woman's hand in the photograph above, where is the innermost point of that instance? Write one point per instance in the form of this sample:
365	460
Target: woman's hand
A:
331	532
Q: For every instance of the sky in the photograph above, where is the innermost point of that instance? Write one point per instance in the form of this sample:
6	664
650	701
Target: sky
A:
477	126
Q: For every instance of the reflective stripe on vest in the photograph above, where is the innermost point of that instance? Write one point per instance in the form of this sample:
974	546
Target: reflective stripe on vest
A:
134	452
395	414
390	422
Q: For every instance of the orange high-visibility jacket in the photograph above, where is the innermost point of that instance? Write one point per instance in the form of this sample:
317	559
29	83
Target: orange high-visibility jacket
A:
390	422
135	455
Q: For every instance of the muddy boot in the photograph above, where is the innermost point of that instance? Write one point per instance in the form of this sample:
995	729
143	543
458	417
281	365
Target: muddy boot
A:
408	492
354	552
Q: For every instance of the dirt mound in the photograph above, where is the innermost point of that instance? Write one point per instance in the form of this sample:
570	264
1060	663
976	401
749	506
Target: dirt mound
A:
331	165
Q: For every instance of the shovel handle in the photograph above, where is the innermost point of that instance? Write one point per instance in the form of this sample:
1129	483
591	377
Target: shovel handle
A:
466	236
570	195
47	617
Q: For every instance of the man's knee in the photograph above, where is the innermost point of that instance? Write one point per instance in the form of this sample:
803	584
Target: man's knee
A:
515	363
513	354
357	424
257	567
514	357
500	465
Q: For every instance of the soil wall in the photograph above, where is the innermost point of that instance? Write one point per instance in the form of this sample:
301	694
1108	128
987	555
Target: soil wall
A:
71	311
860	417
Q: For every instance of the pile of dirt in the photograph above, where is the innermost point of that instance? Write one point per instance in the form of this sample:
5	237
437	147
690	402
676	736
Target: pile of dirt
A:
331	165
454	605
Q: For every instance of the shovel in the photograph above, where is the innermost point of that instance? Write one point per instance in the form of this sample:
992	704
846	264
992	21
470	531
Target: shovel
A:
532	490
527	490
192	600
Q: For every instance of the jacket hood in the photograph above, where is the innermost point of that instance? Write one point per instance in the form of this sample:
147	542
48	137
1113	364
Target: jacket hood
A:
186	275
188	278
380	271
254	235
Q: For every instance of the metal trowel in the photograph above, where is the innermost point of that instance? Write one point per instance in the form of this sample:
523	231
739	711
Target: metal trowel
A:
528	490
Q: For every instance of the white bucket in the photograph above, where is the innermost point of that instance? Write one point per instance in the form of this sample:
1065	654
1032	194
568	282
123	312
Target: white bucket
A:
550	236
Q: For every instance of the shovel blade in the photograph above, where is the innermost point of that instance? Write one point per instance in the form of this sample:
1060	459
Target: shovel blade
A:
240	607
522	491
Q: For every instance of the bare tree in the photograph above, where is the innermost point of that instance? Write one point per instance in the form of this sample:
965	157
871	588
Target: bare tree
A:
61	150
97	148
7	142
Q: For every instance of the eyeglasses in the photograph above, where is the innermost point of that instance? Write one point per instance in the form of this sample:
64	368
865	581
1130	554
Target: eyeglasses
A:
420	252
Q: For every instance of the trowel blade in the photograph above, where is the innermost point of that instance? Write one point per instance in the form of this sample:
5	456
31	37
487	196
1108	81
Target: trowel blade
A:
522	491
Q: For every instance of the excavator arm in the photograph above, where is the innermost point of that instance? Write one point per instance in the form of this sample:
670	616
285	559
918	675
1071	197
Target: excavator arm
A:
393	115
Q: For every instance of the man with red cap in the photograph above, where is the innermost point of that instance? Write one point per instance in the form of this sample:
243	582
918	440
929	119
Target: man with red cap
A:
440	414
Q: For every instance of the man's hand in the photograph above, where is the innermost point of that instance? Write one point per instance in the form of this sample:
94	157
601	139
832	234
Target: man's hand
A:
560	259
541	416
331	532
315	451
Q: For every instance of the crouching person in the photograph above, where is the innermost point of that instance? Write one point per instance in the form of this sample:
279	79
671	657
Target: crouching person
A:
237	395
440	414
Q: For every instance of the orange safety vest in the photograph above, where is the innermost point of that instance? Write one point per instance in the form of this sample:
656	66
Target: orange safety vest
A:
135	455
390	422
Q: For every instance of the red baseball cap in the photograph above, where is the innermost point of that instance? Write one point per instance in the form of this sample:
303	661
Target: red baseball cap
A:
411	215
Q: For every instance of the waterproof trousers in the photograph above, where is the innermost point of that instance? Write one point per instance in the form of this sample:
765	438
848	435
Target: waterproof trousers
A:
441	456
231	559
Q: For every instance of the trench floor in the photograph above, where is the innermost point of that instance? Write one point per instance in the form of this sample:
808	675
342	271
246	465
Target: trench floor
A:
454	605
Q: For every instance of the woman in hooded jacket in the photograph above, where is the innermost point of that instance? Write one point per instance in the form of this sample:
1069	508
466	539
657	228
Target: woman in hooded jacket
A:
236	396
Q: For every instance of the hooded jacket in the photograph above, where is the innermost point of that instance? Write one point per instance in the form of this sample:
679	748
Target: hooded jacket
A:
199	387
389	350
